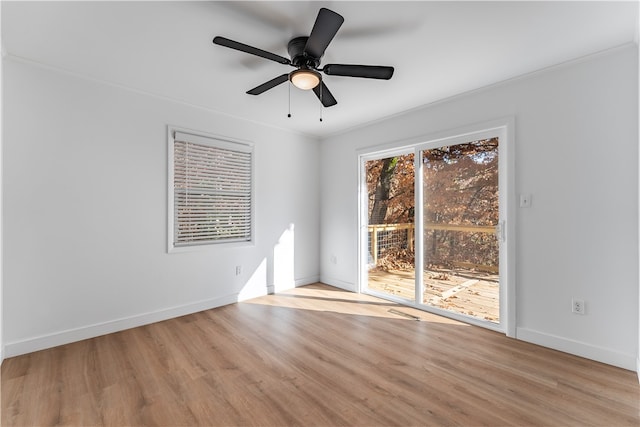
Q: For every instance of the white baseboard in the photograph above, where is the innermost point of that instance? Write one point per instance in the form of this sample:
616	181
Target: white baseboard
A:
600	354
55	339
250	292
281	287
338	283
307	280
30	345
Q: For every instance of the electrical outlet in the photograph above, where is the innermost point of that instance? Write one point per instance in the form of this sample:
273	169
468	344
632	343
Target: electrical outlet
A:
238	270
333	259
577	306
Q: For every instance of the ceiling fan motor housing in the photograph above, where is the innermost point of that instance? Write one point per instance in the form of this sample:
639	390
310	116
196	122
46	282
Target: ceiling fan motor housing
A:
298	57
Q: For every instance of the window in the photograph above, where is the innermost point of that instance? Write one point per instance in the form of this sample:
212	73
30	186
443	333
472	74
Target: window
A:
211	190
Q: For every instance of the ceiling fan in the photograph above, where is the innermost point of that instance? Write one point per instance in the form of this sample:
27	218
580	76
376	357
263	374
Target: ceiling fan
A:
305	53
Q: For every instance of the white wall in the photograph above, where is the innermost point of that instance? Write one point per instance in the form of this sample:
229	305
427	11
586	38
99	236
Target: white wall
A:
85	211
576	142
637	41
1	198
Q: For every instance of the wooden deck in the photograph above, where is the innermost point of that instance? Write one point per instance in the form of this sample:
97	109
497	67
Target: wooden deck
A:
461	291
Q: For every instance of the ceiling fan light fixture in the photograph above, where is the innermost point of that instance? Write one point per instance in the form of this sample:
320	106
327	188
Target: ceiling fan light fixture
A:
305	78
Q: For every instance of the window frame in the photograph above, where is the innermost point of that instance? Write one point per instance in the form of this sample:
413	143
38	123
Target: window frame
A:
218	142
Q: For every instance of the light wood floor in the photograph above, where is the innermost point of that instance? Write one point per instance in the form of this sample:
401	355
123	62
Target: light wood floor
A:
313	356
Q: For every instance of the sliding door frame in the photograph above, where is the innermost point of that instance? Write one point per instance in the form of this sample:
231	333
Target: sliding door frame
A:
503	129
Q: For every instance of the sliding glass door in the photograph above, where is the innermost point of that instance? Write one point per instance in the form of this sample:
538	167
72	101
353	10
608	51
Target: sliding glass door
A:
460	216
433	227
390	225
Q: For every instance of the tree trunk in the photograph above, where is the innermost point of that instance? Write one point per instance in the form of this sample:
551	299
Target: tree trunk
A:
383	187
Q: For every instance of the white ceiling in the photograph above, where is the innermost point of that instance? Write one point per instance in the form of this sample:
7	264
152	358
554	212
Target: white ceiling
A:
438	49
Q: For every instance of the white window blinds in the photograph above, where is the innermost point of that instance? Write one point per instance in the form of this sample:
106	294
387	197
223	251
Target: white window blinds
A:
212	183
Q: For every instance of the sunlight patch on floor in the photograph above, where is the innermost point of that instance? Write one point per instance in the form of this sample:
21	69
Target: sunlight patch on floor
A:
320	297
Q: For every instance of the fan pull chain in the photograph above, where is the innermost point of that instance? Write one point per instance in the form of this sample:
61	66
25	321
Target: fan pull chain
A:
321	101
289	115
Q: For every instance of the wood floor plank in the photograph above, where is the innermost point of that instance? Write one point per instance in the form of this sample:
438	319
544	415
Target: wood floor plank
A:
313	356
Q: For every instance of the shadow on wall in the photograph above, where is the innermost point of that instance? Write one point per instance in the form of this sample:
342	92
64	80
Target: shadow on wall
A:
276	272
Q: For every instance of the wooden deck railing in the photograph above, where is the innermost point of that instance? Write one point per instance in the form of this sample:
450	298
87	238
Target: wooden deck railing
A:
375	229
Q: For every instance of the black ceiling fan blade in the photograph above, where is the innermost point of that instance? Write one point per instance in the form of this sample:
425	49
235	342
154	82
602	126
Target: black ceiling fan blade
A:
324	95
268	85
365	71
223	41
325	28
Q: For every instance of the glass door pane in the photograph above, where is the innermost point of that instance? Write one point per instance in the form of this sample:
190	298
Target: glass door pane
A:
460	215
391	256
